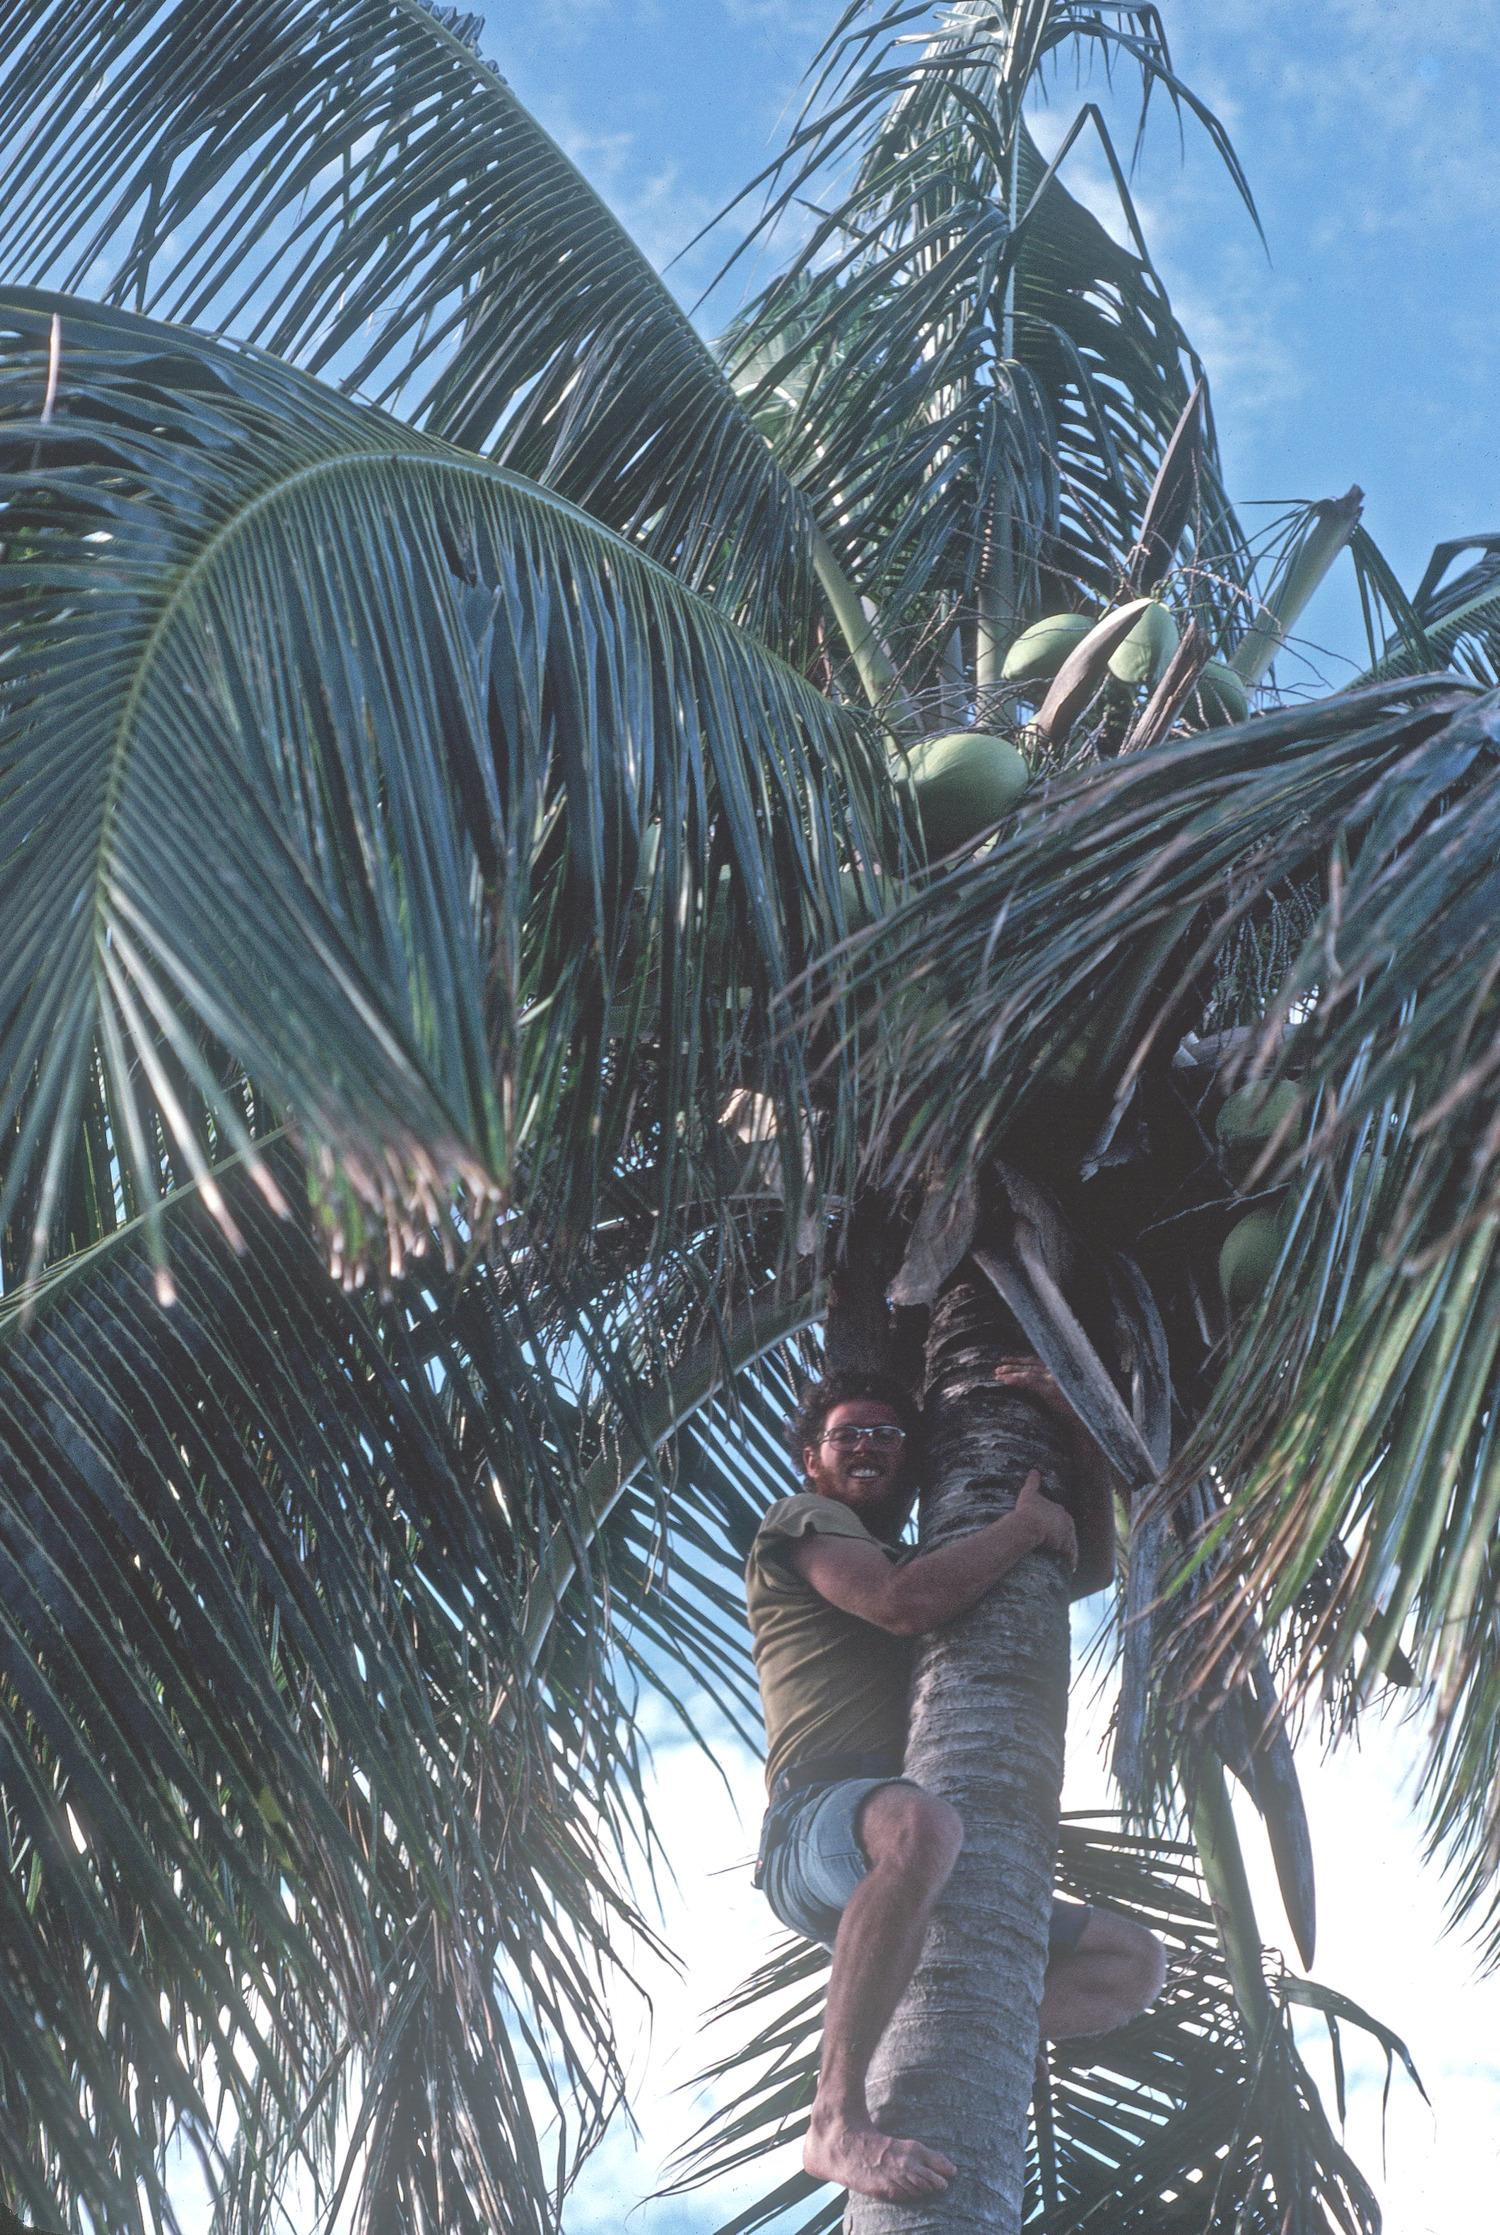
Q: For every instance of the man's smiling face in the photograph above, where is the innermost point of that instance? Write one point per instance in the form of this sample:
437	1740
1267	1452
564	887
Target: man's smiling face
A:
869	1476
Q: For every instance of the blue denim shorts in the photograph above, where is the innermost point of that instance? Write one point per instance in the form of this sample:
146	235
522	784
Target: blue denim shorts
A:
815	1861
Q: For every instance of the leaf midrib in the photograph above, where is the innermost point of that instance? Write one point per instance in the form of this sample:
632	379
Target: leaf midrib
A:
415	455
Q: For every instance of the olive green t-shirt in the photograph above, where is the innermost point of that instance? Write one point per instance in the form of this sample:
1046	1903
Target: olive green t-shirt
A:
829	1683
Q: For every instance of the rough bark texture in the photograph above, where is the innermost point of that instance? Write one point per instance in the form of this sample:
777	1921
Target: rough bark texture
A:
989	1711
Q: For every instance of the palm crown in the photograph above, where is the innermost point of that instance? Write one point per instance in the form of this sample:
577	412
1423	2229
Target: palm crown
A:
464	824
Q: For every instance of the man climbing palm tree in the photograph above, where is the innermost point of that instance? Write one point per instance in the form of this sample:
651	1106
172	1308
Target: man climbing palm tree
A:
852	1853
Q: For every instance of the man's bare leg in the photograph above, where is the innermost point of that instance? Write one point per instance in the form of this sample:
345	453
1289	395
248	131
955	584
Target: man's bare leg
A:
912	1841
1116	1971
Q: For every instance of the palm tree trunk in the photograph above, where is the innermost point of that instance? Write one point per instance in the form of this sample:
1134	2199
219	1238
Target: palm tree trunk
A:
989	1709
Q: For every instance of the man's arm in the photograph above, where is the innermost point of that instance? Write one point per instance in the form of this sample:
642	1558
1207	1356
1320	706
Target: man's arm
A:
936	1586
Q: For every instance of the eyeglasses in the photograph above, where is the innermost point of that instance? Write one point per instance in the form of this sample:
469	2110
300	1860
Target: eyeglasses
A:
884	1438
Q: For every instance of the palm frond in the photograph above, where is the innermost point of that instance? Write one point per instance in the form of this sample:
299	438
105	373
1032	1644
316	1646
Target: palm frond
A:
1386	606
1453	618
1073	948
993	55
271	1849
337	758
1384	1371
1355	1403
325	1620
1174	2120
354	188
976	381
763	1324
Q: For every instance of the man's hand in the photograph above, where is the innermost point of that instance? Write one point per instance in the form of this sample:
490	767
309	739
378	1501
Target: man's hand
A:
1051	1523
1028	1377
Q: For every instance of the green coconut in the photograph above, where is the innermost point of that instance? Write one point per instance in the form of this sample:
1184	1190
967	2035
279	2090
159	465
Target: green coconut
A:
963	782
860	905
1075	1063
1251	1115
1248	1259
1144	655
1038	652
1219	698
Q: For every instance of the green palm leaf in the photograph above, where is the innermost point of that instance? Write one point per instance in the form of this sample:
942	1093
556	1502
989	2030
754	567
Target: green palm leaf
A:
1456	618
308	1821
340	758
1172	2121
974	378
1047	981
1114	890
268	1839
353	188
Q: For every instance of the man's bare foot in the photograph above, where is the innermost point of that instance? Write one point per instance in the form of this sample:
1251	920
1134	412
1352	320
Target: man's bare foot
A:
872	2163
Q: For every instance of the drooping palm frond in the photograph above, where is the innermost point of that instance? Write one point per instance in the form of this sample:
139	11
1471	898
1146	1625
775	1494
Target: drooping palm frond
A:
675	1544
1377	1375
1074	948
1176	2120
976	381
355	189
1392	618
333	756
1455	617
1051	991
271	1845
313	1830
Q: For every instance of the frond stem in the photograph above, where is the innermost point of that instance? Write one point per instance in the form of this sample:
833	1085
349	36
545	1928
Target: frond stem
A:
877	672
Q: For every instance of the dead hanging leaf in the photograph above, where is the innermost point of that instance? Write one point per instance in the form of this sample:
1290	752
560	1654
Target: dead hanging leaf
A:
1172	692
1174	495
1083	671
939	1240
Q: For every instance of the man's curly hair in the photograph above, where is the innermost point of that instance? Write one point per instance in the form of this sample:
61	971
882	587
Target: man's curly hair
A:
819	1398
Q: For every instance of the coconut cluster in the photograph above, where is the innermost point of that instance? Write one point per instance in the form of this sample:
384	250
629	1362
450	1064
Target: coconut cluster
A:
1219	698
966	781
1252	1248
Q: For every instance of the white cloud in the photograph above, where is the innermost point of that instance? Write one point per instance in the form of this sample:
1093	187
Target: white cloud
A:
1391	109
721	1929
1381	1942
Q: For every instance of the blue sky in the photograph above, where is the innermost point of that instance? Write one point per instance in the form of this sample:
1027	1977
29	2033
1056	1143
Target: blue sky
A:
1362	343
